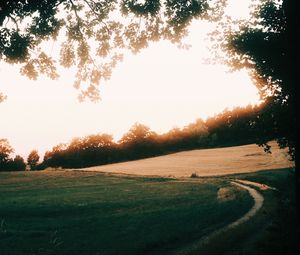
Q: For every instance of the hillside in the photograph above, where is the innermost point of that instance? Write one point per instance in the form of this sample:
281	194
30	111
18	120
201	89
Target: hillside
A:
205	162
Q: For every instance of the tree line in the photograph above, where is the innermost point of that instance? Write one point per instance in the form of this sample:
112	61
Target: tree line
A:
17	163
230	127
264	44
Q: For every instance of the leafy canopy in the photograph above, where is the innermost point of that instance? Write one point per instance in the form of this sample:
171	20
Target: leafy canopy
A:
93	34
5	151
262	46
33	159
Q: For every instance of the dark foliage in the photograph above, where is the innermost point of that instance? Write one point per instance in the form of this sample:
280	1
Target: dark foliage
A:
93	34
82	152
33	159
231	127
7	163
263	46
17	164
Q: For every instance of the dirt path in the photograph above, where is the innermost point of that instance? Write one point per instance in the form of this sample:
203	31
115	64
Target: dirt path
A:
261	186
258	203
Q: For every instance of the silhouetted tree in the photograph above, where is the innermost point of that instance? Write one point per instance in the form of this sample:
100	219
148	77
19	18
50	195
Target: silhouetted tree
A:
55	157
5	151
139	141
171	140
94	33
268	45
195	134
82	152
98	149
33	159
263	46
137	133
7	163
18	164
231	127
236	126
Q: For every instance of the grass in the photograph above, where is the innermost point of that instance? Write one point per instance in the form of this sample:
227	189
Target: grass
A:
61	212
275	228
280	232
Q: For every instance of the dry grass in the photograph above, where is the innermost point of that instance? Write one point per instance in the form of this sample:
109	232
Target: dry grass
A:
226	194
206	162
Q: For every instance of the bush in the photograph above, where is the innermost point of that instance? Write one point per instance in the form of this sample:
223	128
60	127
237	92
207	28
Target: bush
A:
194	175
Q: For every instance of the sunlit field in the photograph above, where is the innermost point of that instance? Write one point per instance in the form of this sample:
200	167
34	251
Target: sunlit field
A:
207	162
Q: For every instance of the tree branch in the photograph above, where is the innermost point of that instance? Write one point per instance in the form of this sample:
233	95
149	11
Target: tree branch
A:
98	15
14	21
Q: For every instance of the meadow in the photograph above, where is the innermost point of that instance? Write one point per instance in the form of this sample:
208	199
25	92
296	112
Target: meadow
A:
89	212
64	212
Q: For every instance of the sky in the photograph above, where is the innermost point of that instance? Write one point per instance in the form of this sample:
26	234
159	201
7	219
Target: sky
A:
162	87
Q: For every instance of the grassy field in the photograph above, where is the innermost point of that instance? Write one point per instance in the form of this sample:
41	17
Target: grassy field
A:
205	162
61	212
99	212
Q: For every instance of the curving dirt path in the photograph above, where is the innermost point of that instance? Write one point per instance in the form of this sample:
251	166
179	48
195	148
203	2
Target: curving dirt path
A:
258	203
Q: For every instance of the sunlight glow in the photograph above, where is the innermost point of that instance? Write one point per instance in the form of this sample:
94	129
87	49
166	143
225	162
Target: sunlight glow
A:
161	87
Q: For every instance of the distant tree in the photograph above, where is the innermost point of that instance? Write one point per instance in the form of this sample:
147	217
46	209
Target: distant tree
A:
33	159
171	137
195	133
231	127
56	156
90	150
138	142
197	128
98	141
236	126
82	152
137	133
5	151
18	164
6	161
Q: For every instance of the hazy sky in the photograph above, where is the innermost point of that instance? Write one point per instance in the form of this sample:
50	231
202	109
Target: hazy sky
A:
161	87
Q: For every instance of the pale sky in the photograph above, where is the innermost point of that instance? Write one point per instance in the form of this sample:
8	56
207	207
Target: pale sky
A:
161	87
